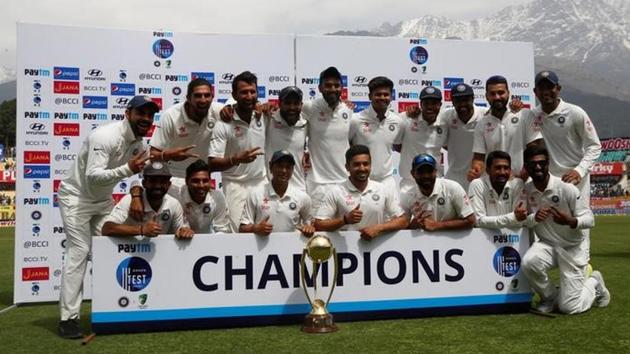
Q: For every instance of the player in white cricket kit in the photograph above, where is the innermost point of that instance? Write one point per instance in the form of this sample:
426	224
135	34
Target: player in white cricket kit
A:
460	122
567	131
287	130
559	216
163	214
360	203
496	198
184	131
379	129
424	134
205	209
110	153
436	203
499	129
277	206
328	126
236	146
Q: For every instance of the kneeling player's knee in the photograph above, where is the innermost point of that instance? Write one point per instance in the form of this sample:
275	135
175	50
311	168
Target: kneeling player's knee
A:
531	263
569	306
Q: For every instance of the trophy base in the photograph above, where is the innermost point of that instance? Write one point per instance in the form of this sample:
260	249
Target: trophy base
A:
319	324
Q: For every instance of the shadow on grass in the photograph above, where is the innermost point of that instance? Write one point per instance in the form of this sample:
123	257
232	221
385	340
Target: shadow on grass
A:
611	254
50	324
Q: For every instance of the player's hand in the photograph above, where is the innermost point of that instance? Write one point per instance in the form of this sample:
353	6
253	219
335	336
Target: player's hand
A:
516	105
413	111
473	173
354	215
306	161
136	209
152	228
520	212
370	232
184	233
542	214
137	162
349	104
562	218
268	108
264	227
307	230
572	177
227	113
429	224
176	154
248	156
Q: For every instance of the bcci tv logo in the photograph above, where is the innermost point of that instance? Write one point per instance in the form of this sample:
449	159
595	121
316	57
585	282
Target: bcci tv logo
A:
163	48
506	261
133	274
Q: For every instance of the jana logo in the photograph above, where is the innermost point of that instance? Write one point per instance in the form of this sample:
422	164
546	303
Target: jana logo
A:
506	261
133	274
163	48
419	55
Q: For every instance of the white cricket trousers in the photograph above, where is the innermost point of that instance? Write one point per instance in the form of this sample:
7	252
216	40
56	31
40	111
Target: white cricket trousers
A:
235	197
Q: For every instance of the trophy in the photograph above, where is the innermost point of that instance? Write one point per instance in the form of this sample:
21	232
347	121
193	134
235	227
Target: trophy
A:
319	249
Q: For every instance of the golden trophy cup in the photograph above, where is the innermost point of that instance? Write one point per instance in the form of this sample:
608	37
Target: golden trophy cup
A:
319	249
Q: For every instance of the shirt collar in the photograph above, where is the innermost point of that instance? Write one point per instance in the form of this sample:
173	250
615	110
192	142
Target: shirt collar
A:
354	189
276	117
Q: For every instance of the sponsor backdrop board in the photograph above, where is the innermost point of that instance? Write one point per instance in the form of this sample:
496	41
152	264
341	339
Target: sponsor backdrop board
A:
79	78
243	280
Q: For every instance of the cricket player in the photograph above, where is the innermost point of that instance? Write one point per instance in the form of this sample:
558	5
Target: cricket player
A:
360	203
278	206
559	216
111	153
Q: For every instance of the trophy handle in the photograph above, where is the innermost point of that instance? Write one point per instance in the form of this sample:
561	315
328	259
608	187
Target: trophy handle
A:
303	269
334	254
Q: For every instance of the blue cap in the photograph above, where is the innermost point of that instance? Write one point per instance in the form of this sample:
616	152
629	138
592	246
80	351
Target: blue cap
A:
141	100
546	75
430	92
422	160
156	169
290	91
462	90
280	155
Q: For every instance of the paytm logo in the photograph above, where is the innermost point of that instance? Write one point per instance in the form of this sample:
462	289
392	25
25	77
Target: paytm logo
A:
37	72
97	102
66	73
203	75
123	89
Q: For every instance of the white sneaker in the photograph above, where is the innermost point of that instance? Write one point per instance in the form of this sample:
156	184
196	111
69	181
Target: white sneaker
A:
602	297
546	306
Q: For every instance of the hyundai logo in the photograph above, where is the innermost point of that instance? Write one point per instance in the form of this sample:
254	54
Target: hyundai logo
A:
360	79
37	126
95	72
122	101
227	76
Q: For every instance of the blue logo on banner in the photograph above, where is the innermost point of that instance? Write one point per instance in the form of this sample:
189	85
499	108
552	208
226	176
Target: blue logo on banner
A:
262	92
418	55
360	105
36	171
450	82
99	102
163	48
207	76
344	80
123	89
64	73
133	274
506	261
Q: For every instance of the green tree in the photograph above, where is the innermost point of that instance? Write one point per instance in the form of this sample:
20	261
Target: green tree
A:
7	123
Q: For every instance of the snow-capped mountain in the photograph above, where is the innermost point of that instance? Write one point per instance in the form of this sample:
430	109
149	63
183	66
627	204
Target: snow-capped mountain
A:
6	74
586	41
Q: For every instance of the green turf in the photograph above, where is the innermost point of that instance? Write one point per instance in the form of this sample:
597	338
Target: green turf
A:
33	328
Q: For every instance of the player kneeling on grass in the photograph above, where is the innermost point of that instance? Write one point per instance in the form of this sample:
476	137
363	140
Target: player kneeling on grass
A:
559	217
278	206
163	214
436	203
360	203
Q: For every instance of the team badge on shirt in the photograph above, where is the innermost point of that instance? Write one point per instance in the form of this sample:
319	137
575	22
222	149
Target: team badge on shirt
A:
166	215
258	123
392	127
292	206
555	199
561	120
506	196
514	120
375	197
206	209
344	115
441	201
439	130
211	124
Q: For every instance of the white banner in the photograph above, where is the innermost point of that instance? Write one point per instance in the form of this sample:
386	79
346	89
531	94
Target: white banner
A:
80	78
225	280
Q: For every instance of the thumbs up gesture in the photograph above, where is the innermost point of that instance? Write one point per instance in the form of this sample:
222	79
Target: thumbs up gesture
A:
353	216
520	212
152	228
264	227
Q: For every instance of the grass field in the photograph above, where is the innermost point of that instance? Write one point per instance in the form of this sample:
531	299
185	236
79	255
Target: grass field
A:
33	328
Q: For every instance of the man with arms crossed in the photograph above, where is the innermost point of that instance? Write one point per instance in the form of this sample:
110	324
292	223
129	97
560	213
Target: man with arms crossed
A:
111	153
559	216
360	203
